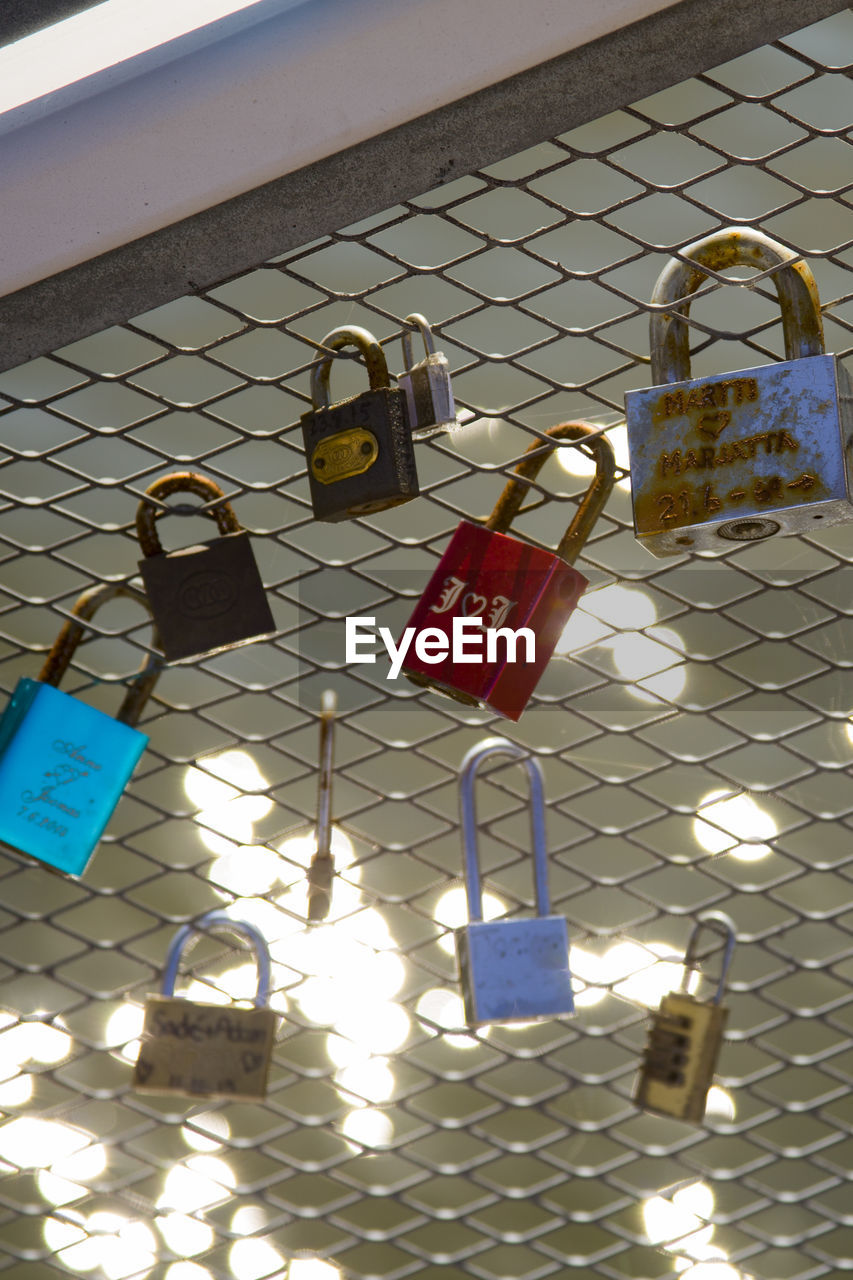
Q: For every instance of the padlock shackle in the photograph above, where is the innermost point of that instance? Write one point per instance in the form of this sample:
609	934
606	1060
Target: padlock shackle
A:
669	338
321	867
374	358
420	322
717	922
62	651
219	920
470	767
593	501
181	482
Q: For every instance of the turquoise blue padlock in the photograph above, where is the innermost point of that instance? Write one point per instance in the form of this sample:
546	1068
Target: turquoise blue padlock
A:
64	764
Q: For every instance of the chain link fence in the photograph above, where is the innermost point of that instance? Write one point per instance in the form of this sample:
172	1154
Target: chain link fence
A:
694	729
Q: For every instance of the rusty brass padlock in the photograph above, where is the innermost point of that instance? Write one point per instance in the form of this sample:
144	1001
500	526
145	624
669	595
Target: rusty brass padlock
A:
207	1050
360	455
209	597
685	1037
737	457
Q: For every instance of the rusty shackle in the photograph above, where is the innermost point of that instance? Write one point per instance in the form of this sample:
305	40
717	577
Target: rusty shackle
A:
62	651
181	482
592	503
374	358
669	339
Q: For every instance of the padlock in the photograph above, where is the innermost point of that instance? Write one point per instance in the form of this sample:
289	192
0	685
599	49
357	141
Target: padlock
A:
359	451
510	970
429	395
511	586
736	457
209	597
63	763
207	1050
685	1037
322	865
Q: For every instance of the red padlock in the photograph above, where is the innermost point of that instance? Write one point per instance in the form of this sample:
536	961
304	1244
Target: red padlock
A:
510	586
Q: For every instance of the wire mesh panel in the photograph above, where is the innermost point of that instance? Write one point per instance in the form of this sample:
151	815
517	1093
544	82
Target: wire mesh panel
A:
694	729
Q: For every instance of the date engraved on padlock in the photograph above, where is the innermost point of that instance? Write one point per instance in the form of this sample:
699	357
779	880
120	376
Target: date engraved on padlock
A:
347	453
64	764
747	455
207	1050
204	1049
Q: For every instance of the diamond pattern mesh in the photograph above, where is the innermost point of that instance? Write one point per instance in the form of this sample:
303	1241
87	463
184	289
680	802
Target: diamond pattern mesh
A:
694	729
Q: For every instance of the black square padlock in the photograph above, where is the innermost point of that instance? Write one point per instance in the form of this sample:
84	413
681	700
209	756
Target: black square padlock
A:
208	597
359	452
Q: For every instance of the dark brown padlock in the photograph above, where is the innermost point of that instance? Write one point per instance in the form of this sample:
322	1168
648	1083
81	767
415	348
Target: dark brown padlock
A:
359	451
209	597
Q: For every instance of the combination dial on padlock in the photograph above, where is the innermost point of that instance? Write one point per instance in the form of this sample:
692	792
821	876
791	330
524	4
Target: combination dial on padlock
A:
685	1037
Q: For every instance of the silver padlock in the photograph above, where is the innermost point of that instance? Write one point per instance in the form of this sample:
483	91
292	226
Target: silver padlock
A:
736	457
511	970
429	395
207	1050
685	1037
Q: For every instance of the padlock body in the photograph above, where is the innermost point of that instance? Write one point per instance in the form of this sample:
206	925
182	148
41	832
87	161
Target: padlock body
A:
63	768
207	598
204	1050
514	970
683	1046
360	455
510	585
737	457
429	396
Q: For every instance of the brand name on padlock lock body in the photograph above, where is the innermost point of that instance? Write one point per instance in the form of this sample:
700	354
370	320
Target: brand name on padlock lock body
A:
514	970
684	1041
511	584
207	598
207	595
381	477
741	456
204	1050
63	768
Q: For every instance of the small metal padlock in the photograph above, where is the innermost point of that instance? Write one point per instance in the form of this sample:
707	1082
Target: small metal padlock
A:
685	1037
511	970
209	597
207	1050
63	763
429	395
359	451
509	584
736	457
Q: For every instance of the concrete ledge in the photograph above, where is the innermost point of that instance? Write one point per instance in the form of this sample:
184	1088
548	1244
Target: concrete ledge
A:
477	130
